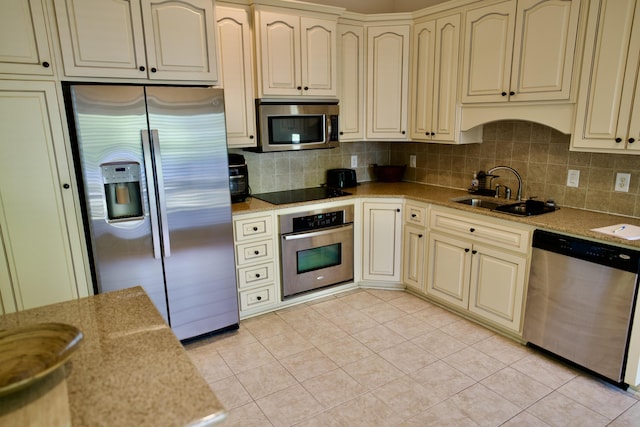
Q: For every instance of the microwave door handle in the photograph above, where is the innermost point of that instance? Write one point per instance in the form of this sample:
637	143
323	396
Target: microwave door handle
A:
162	201
151	193
327	137
306	235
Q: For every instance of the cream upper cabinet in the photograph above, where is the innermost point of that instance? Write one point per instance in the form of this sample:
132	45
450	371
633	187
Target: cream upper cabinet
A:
382	241
24	44
297	55
236	72
171	40
351	81
520	50
608	109
387	82
435	79
40	240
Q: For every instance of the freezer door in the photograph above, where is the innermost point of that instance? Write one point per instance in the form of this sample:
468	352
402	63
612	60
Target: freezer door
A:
110	122
190	154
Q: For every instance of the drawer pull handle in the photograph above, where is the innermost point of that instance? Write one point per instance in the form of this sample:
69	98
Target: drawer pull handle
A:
472	230
256	252
255	228
259	298
413	215
257	275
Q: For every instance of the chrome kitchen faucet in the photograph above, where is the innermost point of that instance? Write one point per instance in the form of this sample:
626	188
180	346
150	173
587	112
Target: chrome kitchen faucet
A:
515	172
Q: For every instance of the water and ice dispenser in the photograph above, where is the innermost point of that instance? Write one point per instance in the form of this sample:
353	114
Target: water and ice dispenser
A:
122	190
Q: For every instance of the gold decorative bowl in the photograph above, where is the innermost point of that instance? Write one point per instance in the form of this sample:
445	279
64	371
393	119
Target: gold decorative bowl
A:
30	353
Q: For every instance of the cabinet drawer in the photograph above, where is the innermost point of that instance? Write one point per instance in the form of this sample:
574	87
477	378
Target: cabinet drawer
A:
260	297
507	237
253	228
254	252
256	275
416	215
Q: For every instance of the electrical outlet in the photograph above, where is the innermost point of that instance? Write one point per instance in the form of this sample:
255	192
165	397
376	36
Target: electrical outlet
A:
354	161
622	182
573	178
412	161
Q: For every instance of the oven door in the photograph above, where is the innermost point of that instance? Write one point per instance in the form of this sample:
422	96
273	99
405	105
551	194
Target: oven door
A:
315	259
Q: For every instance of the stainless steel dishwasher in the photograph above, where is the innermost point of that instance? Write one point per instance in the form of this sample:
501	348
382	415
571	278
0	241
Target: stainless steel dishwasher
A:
580	301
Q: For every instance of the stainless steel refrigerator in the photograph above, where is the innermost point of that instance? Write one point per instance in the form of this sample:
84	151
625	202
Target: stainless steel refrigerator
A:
153	162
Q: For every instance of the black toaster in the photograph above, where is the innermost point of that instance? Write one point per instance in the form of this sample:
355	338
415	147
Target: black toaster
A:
341	178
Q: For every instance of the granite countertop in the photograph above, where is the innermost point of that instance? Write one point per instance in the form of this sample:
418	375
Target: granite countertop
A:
130	369
577	222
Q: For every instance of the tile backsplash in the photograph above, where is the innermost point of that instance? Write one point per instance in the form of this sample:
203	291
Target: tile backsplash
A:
539	153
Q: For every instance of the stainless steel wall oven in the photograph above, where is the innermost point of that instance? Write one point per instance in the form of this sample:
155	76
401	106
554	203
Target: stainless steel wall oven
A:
316	249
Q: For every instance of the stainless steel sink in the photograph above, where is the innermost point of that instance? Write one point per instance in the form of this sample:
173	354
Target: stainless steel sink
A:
525	208
479	203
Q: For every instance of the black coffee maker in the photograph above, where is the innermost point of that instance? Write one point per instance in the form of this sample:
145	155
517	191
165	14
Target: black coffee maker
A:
238	178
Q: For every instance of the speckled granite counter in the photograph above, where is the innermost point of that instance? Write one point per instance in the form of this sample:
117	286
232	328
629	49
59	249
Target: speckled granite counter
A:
565	220
130	369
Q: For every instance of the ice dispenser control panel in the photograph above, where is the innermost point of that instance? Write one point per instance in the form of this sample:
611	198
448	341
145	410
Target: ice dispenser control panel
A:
122	190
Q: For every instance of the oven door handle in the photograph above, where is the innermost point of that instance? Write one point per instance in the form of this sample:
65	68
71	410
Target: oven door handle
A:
324	232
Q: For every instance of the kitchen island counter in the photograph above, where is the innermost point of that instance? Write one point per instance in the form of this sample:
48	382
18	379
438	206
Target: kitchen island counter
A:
130	369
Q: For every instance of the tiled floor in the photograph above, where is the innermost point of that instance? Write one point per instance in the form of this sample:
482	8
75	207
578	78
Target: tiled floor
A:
387	358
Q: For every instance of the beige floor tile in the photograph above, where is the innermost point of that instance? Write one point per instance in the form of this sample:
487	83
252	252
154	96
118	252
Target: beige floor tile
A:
629	418
211	366
383	312
436	317
379	338
406	396
474	363
361	300
484	406
246	356
365	411
545	370
228	339
299	315
319	331
444	414
409	303
289	406
524	419
231	393
603	398
333	388
308	364
248	415
439	343
408	357
466	331
442	380
409	327
558	410
353	322
518	388
266	379
266	326
286	344
345	350
386	294
331	308
505	350
372	372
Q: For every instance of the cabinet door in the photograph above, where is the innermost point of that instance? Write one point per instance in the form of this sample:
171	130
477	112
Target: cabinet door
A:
413	257
37	209
318	56
422	99
351	82
449	269
387	85
605	99
24	45
180	39
279	36
497	286
101	39
488	53
544	49
236	67
633	136
382	241
446	79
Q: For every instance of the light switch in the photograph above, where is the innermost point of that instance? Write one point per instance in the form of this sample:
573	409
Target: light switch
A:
573	178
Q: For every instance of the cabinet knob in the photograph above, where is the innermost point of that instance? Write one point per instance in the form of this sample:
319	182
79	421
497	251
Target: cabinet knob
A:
413	215
618	139
256	252
258	298
153	69
45	64
433	134
419	236
474	252
299	88
472	230
66	186
504	94
257	275
255	228
341	133
142	68
250	136
306	88
467	249
403	132
427	133
631	140
512	93
397	210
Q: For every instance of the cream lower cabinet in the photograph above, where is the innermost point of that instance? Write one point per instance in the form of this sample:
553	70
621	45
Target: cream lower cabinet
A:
41	258
479	266
414	241
382	241
257	270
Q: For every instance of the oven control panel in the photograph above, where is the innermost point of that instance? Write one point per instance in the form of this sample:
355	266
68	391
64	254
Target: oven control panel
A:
322	220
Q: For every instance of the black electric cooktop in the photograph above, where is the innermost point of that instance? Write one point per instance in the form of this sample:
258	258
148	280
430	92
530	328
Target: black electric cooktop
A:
300	195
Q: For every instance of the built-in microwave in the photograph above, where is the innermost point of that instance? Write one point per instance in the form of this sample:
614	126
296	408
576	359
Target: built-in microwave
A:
296	125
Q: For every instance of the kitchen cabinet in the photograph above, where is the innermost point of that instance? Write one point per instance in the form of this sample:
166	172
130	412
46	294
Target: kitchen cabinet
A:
520	50
154	39
236	74
257	273
608	107
387	82
42	260
414	245
24	41
351	74
434	93
296	54
382	241
479	266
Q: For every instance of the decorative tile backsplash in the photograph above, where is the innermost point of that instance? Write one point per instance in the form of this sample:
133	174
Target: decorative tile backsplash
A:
539	153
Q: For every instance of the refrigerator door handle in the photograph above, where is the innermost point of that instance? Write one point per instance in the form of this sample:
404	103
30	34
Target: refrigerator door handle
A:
164	221
151	192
